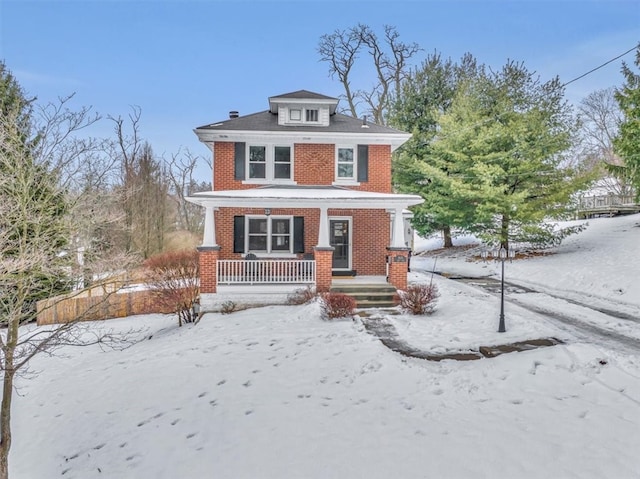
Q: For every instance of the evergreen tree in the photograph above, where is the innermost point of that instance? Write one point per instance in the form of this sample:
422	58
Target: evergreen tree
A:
627	143
494	165
425	96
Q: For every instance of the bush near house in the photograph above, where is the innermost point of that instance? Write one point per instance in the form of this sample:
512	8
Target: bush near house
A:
337	305
419	298
173	277
302	296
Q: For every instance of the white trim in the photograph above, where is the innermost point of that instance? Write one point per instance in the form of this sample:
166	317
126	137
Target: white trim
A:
304	198
354	163
269	253
349	219
269	163
395	140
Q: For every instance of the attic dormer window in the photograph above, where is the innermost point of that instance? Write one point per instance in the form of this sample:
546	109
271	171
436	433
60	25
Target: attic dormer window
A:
295	114
311	115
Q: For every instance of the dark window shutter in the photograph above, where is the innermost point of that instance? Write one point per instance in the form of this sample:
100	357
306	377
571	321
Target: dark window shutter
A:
363	162
238	169
238	234
298	234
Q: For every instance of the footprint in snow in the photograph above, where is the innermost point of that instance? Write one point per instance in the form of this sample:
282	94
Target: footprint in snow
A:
203	394
220	383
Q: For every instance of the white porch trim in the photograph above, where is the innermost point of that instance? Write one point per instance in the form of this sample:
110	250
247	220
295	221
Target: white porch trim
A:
320	197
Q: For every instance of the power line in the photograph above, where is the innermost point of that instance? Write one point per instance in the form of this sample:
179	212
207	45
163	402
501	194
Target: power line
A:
599	67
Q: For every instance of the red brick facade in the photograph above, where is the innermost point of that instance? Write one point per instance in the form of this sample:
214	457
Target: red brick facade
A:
323	257
370	234
398	267
208	262
313	164
312	160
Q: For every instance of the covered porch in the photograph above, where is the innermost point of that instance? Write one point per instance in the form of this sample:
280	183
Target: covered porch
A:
315	268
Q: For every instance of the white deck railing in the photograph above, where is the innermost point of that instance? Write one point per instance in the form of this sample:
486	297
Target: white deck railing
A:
266	271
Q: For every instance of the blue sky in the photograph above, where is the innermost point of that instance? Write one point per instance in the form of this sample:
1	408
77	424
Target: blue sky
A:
188	63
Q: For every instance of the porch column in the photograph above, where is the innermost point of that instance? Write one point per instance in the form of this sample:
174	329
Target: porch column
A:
398	229
323	228
398	267
209	237
208	262
324	260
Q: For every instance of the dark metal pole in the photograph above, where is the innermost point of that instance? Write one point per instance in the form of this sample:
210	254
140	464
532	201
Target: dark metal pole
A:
501	327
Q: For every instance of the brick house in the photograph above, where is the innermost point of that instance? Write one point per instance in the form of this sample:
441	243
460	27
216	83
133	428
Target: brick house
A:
301	195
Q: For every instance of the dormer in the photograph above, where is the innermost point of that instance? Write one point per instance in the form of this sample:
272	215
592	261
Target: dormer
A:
303	108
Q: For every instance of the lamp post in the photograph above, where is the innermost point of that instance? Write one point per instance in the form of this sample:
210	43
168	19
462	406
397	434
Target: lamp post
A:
501	255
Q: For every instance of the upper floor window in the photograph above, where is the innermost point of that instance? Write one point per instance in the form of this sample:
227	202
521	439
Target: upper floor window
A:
352	164
345	165
257	162
269	162
311	115
295	114
282	162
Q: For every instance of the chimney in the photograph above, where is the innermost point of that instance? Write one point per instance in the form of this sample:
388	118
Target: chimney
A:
364	122
233	114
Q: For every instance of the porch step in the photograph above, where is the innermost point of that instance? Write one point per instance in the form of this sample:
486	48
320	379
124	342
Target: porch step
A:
368	295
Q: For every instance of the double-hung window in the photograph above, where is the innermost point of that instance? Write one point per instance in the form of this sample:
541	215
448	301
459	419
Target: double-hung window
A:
257	161
282	163
345	164
269	234
352	164
269	162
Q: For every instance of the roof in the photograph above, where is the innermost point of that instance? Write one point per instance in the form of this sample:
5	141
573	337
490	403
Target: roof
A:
304	197
267	121
303	95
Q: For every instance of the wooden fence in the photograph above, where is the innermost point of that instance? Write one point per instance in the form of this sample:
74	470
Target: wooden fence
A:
67	308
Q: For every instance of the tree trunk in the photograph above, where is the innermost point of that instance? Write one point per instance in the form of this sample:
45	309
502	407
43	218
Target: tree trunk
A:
7	396
504	232
446	234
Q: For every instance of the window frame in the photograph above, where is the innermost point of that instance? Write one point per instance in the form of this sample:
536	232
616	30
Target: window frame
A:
270	235
352	180
309	112
269	163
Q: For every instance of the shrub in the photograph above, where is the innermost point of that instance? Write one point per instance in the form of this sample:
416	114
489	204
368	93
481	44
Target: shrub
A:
419	298
337	305
302	296
228	307
173	276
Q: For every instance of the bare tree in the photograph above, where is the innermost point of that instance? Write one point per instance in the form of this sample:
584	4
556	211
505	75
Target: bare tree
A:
37	224
601	117
143	188
181	171
390	57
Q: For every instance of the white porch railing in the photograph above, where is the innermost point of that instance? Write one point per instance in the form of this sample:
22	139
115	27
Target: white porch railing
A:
266	271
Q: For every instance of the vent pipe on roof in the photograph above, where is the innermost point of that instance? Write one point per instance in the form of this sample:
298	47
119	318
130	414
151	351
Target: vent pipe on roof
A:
364	122
233	114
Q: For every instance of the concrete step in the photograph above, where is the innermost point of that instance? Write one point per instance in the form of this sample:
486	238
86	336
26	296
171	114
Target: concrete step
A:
369	295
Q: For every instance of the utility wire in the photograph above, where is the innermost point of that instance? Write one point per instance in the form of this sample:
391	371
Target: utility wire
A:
599	67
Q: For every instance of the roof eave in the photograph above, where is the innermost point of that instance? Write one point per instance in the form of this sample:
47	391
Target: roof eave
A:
394	139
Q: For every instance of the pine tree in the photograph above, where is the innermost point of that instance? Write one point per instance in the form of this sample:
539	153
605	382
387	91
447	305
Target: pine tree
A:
502	142
426	94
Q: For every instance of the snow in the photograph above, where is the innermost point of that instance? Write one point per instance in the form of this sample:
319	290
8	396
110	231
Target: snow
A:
275	392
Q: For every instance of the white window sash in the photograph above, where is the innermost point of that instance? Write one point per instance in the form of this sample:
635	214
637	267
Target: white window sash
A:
270	234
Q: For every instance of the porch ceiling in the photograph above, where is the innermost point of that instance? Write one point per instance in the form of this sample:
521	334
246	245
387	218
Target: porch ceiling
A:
304	197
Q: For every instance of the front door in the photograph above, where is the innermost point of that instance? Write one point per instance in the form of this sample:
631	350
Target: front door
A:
340	239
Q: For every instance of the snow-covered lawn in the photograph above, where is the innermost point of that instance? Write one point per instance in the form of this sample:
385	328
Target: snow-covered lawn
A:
276	392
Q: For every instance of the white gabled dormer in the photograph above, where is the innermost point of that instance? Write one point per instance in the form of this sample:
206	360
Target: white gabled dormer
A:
303	108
